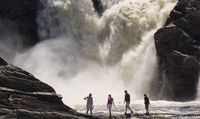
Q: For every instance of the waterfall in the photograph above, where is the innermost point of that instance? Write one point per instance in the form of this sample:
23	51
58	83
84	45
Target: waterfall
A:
82	53
198	94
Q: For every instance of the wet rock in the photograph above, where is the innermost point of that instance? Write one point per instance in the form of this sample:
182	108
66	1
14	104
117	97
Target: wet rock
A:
178	50
21	17
3	62
98	6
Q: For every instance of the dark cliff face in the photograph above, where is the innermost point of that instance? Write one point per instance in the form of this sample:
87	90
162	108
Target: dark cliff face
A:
18	26
178	50
25	97
22	14
98	6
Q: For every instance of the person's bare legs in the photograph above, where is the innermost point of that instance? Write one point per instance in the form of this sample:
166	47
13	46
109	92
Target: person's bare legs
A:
110	111
91	112
87	111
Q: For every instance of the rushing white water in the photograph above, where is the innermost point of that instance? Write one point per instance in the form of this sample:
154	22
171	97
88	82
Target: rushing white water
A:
198	94
158	110
82	53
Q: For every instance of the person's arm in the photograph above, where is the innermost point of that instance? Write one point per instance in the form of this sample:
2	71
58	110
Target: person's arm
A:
113	103
149	101
85	98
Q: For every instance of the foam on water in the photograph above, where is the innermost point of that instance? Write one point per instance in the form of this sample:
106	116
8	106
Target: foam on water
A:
162	109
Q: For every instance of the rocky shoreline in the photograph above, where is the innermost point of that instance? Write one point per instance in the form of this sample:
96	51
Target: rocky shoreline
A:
25	97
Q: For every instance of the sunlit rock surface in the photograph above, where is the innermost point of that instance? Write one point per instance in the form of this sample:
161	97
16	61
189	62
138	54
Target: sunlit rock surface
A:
178	50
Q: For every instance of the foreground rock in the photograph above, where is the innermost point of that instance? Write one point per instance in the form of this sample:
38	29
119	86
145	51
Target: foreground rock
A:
25	97
178	50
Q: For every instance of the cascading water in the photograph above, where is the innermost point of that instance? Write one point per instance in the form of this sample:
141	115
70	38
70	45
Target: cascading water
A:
198	95
82	53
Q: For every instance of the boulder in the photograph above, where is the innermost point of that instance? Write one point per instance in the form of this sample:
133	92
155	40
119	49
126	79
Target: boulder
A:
178	50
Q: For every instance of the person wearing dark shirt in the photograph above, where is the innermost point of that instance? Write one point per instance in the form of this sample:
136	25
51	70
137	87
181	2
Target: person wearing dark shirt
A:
146	103
127	101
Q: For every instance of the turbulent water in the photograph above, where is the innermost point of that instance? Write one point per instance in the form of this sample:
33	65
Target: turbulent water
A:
157	109
83	53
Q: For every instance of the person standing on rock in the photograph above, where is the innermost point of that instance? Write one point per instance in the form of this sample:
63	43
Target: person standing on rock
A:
127	101
110	103
89	105
146	103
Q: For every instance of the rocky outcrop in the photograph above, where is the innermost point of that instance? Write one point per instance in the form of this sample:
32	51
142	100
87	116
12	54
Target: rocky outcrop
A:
2	62
98	6
18	26
178	50
25	97
20	16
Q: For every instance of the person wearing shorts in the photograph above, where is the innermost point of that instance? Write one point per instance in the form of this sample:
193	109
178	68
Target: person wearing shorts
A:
89	104
110	103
